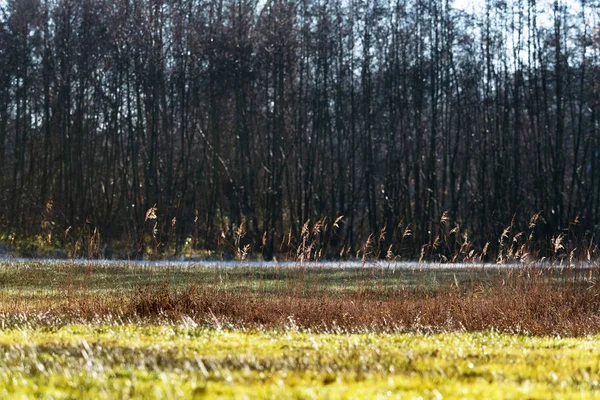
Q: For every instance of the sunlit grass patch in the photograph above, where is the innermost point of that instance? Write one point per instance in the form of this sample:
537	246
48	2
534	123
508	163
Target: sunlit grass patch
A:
177	360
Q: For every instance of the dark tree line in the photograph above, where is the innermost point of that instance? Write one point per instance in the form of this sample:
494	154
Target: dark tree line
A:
402	116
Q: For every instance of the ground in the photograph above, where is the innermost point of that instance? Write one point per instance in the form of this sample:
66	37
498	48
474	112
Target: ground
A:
123	331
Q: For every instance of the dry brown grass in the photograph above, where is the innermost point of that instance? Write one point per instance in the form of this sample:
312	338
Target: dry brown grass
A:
526	309
529	301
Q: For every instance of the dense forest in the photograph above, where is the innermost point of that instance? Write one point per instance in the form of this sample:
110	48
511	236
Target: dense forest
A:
179	124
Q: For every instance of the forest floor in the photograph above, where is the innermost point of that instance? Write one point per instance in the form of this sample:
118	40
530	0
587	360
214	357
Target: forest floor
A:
83	330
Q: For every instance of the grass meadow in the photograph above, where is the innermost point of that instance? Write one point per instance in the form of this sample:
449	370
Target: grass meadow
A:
89	330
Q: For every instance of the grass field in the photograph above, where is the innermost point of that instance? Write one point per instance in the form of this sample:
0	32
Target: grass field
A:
123	331
174	360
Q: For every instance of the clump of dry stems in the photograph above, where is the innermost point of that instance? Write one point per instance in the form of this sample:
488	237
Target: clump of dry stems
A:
531	300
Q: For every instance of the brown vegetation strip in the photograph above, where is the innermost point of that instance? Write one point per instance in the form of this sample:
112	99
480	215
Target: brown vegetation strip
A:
535	308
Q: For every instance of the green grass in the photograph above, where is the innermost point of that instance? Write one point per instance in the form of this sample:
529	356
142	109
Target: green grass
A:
43	280
40	276
175	360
